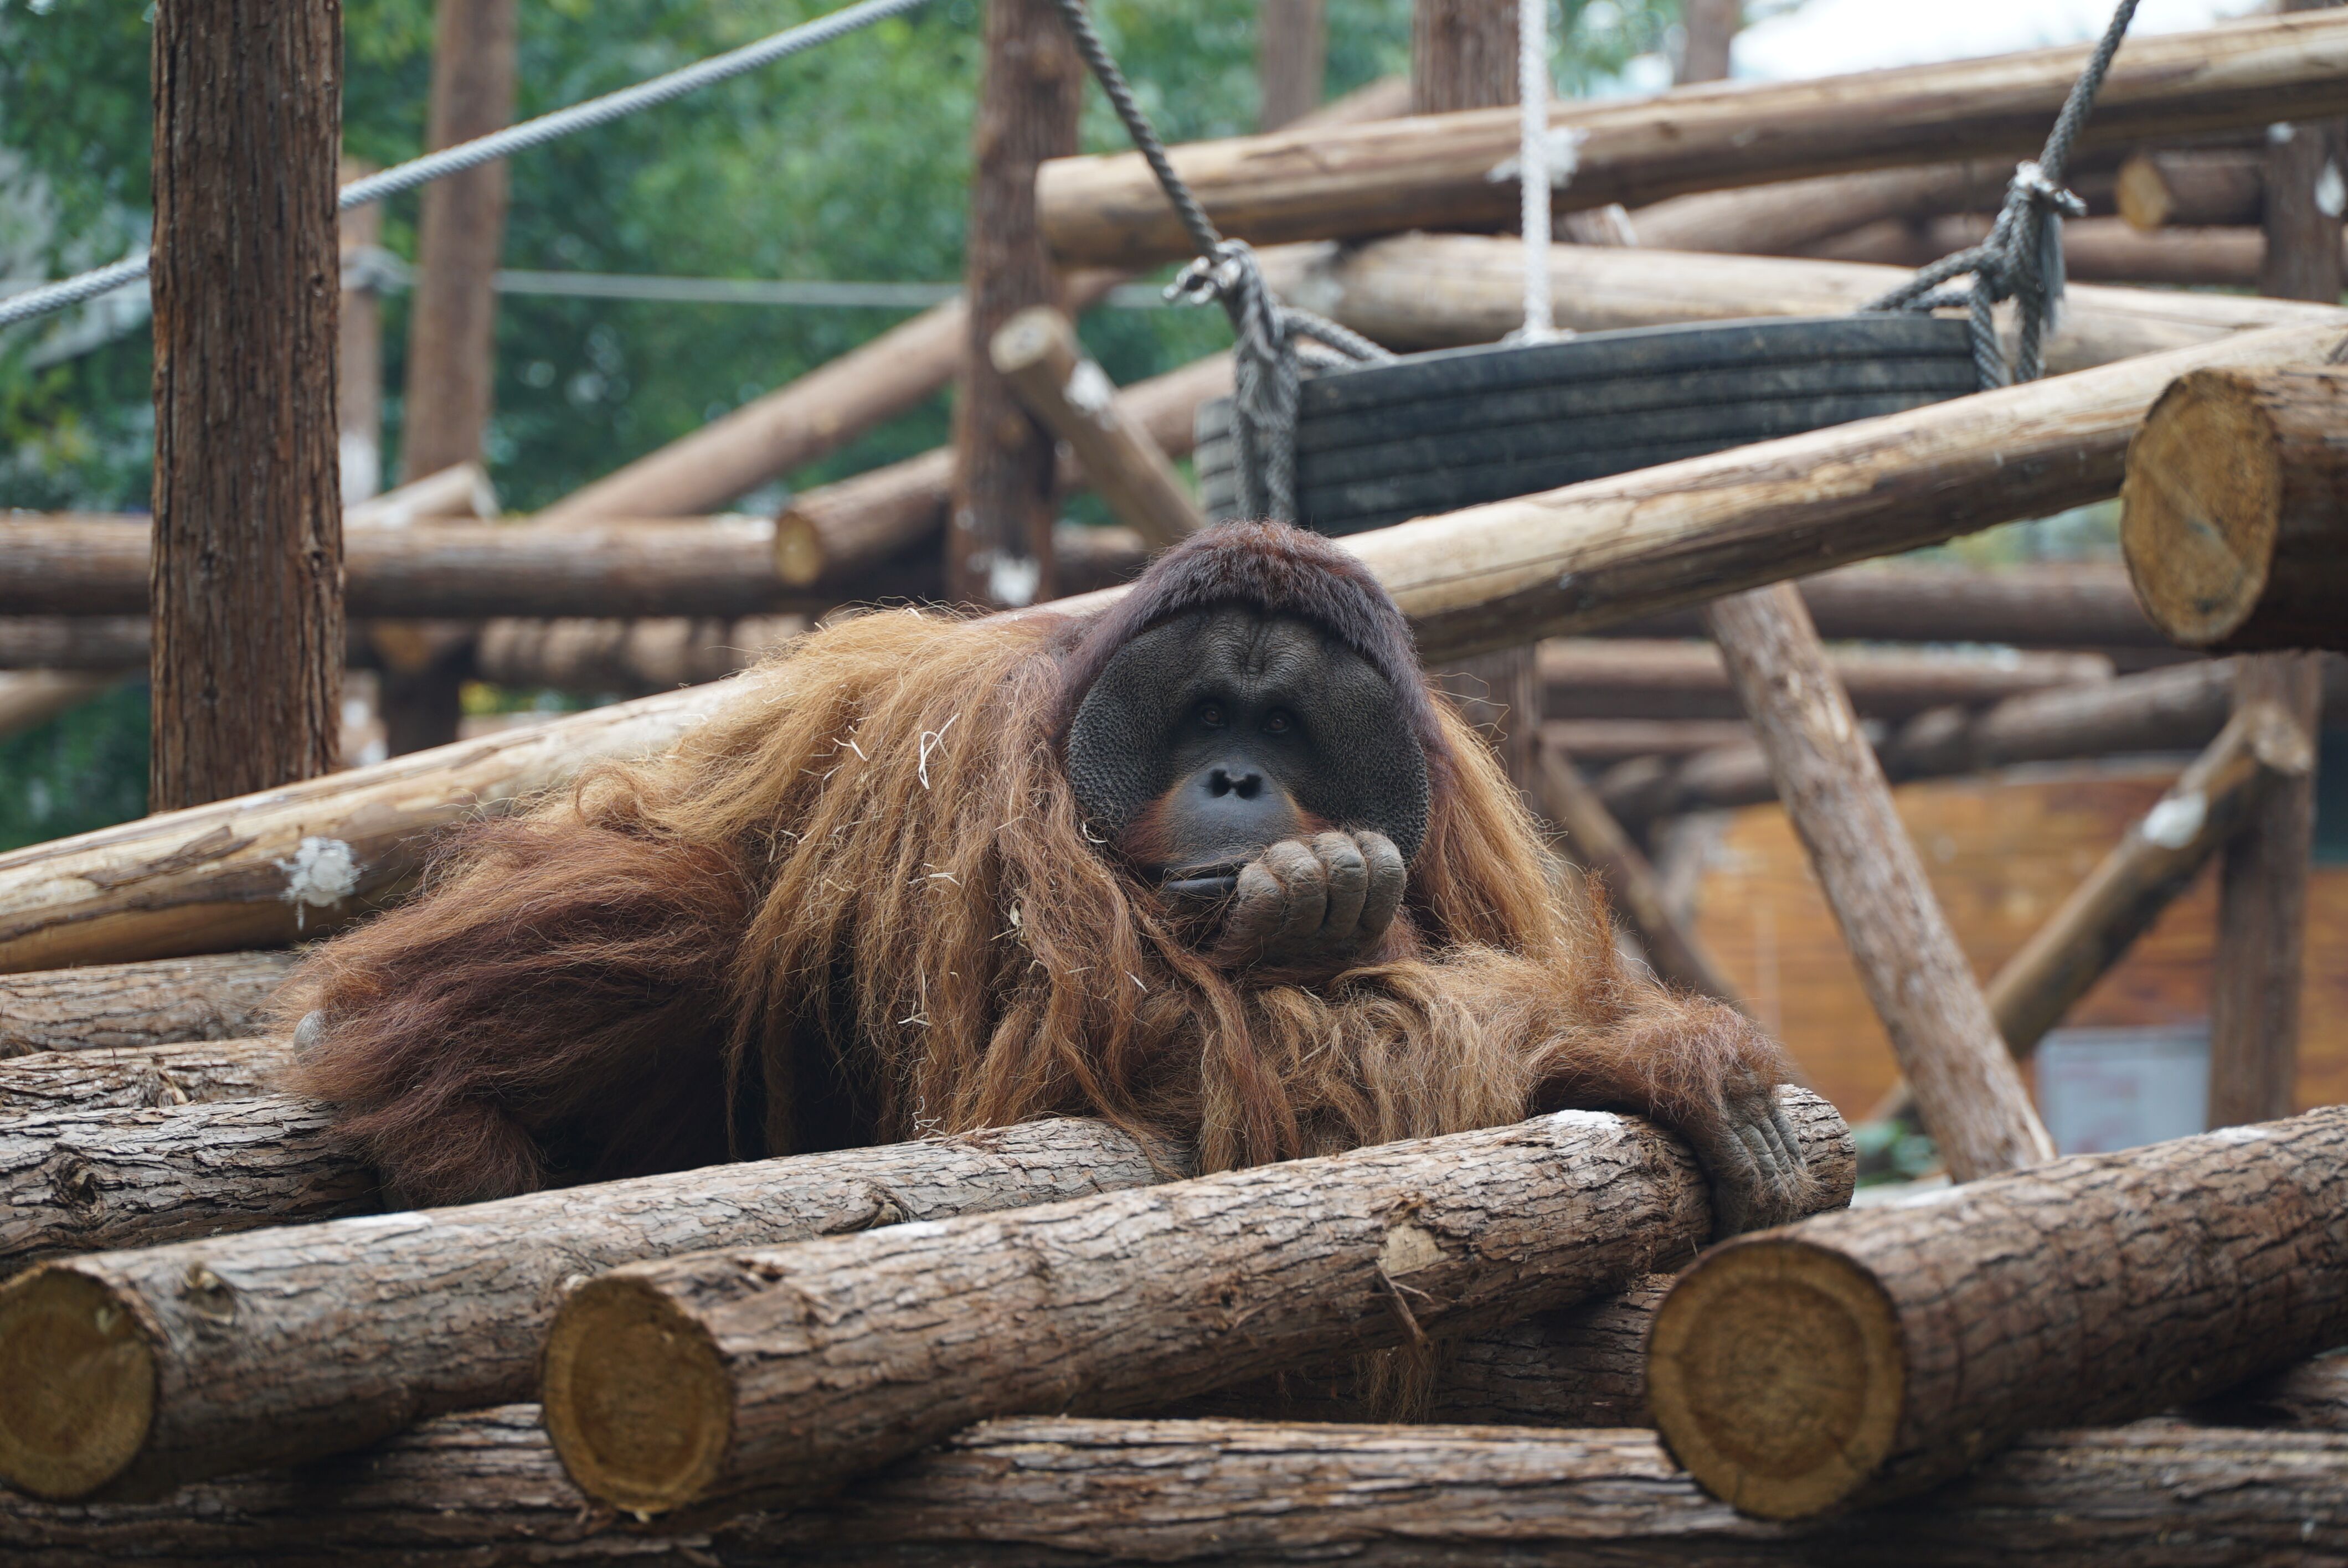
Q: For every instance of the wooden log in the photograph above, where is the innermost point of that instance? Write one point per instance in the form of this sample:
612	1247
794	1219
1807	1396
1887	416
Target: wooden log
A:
1292	60
1972	1100
358	345
1781	218
2191	188
2095	250
2048	604
1708	32
247	666
627	657
78	1181
486	1487
1439	291
2234	512
148	1077
1593	743
320	1339
1431	172
2300	213
1596	842
1849	1359
870	1347
125	1006
83	645
1588	677
1577	557
830	534
459	490
2311	1397
1036	354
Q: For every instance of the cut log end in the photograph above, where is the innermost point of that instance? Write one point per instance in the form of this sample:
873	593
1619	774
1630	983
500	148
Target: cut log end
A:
80	1378
636	1397
798	550
2201	507
1776	1376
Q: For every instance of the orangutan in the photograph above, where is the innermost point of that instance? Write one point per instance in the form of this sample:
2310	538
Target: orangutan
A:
1214	864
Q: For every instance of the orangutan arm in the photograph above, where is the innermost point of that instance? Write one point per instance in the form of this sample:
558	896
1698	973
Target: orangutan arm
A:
551	1009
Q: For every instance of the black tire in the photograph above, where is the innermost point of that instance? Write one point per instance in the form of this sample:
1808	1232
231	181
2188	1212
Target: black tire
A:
1436	431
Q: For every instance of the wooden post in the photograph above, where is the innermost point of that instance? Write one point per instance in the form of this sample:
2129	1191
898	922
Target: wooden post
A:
1037	353
359	366
452	341
247	560
1848	1359
1291	59
1463	56
781	1373
1708	30
2262	883
2214	188
1973	1100
999	543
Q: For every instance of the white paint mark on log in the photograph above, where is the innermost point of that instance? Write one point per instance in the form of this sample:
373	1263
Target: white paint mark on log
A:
322	874
2173	823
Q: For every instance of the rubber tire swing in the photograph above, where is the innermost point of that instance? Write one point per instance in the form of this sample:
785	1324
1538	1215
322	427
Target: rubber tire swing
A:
1430	433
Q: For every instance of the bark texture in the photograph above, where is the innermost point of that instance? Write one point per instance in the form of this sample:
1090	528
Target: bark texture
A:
1291	59
999	550
319	1339
127	1006
80	1181
1368	180
2310	1397
485	1488
1849	1359
1036	354
780	1374
2235	511
1779	219
147	1077
1974	1101
247	667
1627	677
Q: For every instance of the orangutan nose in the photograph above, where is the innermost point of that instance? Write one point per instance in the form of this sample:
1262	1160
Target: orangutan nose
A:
1229	810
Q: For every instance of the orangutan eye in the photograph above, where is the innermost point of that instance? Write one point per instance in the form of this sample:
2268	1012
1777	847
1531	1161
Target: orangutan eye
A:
1276	722
1210	715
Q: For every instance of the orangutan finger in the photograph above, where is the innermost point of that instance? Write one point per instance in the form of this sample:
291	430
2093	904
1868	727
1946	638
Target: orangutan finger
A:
1349	884
1387	874
1258	904
1306	884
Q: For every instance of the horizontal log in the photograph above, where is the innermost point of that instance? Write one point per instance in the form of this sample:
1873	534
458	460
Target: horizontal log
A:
31	698
1439	291
147	1076
1782	217
113	1007
2047	604
324	1337
2234	515
1590	678
1434	171
99	644
628	658
80	1181
1598	742
778	1375
485	1487
2192	189
1854	1359
2095	250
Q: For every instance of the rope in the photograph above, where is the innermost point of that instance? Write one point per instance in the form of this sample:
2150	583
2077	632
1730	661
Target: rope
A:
1266	374
1532	168
504	143
2021	258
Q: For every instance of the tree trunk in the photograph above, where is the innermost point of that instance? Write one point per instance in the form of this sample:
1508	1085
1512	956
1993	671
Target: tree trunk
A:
320	1339
2213	188
2235	512
1974	1101
1709	29
78	1181
1038	356
1589	678
781	1374
1854	1359
999	550
1593	840
149	1077
831	534
358	358
118	1006
247	586
1291	59
1359	181
1443	291
486	1487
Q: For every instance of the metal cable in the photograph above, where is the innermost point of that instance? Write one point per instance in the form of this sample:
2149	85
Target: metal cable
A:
2021	258
504	143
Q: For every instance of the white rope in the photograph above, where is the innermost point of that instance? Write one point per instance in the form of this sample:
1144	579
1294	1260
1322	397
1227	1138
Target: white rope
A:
1532	168
504	143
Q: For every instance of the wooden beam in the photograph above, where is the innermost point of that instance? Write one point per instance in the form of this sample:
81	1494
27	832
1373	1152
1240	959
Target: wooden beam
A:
247	668
31	698
1037	355
2047	604
349	1340
1853	1358
2234	515
1431	173
358	353
2095	250
1627	677
129	1005
143	1077
1974	1101
1292	60
1338	1254
2200	189
1708	30
1781	218
1593	840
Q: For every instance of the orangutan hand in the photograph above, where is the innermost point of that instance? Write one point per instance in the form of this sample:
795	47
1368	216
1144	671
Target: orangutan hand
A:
1316	904
1752	1155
